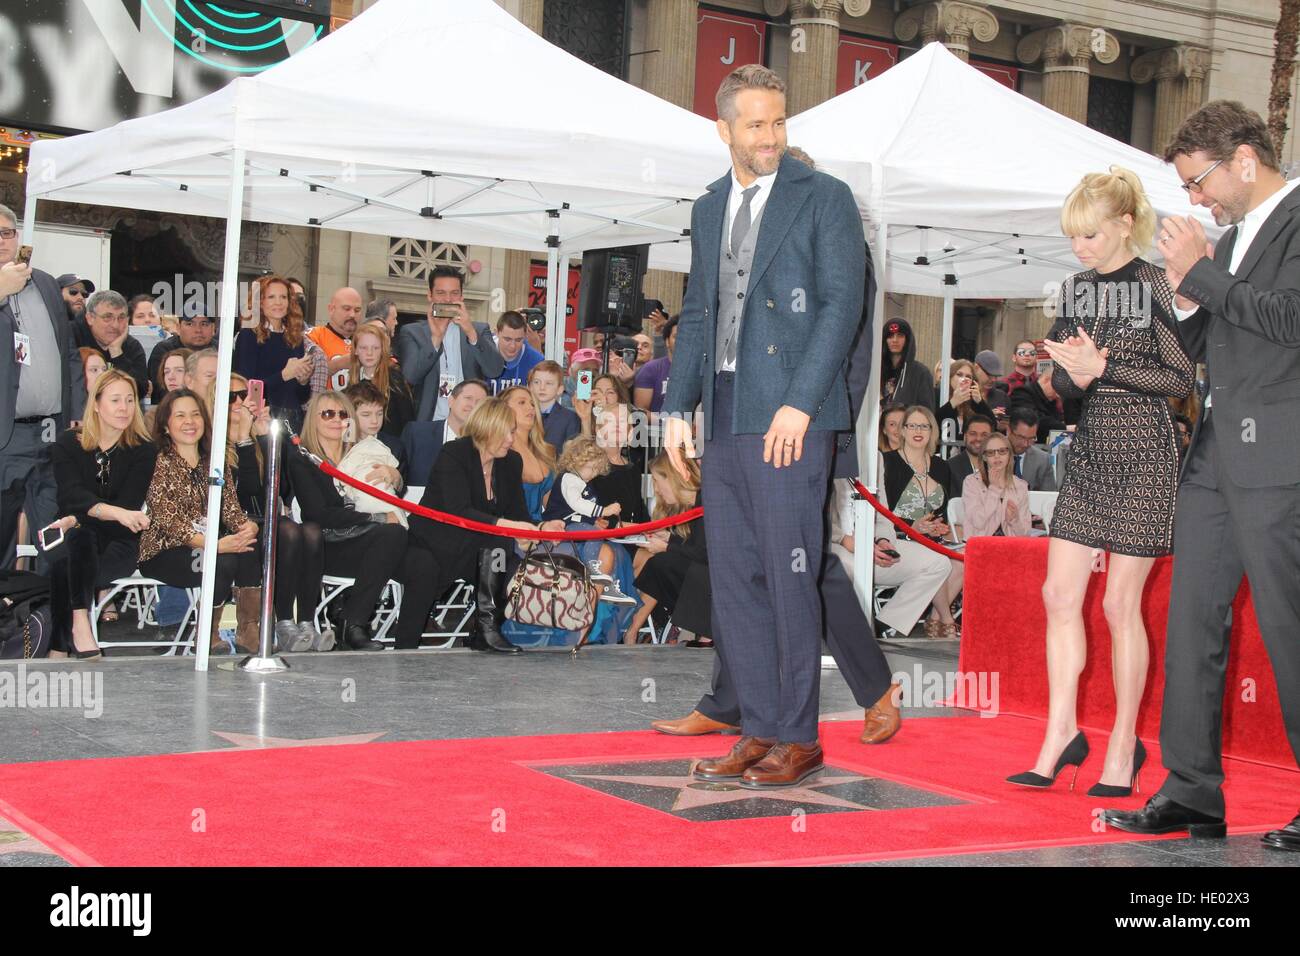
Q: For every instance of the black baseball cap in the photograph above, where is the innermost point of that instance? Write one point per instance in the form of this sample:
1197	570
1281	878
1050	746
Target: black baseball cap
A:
71	278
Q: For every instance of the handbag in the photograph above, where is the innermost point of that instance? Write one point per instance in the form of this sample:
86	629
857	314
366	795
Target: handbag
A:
550	590
335	535
26	623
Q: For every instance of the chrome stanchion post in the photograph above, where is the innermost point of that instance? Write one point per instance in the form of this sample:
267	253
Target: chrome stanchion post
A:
264	662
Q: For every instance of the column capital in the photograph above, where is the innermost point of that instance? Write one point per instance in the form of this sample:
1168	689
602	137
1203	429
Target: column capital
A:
1068	46
816	9
950	22
1175	62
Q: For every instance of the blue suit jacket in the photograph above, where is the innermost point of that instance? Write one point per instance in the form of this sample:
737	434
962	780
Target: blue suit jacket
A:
802	308
422	441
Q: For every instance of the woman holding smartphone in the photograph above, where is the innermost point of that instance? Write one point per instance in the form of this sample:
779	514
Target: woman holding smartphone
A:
102	471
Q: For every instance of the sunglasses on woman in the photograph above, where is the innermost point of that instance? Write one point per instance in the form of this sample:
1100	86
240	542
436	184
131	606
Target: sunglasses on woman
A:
329	414
238	395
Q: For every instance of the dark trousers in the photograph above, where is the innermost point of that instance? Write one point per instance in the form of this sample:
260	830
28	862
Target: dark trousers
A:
418	576
27	485
372	559
1220	532
766	535
849	637
299	565
84	563
183	568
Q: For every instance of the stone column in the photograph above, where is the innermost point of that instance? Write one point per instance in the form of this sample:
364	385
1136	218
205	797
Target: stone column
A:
1179	74
1067	51
951	23
814	47
924	313
518	263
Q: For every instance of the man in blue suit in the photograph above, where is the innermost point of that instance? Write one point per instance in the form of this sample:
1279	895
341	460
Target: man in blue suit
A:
773	302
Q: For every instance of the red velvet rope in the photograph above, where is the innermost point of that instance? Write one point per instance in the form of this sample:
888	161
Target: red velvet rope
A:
469	524
903	526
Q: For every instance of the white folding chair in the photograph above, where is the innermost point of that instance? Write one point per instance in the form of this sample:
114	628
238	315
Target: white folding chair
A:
145	592
459	602
956	517
1042	504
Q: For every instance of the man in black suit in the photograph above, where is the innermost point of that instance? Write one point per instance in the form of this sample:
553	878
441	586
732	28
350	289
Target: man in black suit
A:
41	388
1238	307
774	300
423	441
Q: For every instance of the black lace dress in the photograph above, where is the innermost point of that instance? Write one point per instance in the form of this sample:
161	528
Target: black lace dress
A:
1119	489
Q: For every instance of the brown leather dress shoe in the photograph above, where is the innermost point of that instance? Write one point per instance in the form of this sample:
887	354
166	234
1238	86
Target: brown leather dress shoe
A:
883	719
784	766
747	752
693	726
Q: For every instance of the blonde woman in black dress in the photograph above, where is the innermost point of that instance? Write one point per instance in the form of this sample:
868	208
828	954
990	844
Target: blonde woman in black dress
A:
1115	346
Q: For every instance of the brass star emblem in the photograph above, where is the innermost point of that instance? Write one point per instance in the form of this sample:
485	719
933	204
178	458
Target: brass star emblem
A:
692	793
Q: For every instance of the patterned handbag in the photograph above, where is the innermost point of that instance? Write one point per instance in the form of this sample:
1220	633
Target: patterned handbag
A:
550	590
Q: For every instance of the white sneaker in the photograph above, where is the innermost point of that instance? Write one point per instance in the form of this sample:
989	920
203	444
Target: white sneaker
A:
596	574
613	595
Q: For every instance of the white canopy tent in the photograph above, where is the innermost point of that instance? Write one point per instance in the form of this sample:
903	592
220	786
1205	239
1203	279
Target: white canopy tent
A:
443	120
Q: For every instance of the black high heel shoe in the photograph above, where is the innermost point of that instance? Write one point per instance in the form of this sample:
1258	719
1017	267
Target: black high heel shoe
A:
1073	755
1107	790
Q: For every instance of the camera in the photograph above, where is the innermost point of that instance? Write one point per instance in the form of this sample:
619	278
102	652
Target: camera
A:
535	318
625	347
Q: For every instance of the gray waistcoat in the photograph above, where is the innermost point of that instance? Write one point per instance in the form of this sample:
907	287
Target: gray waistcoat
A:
733	285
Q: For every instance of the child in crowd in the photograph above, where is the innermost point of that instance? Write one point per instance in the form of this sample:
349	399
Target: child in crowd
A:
559	424
370	458
573	501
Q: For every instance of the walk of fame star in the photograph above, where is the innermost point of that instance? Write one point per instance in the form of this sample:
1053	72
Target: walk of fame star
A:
669	785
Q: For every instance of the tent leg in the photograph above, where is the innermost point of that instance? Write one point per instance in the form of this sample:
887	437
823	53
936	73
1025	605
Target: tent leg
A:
561	307
554	295
220	404
946	345
29	220
863	517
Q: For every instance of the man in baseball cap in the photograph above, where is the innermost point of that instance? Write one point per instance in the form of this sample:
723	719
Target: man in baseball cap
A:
75	293
988	369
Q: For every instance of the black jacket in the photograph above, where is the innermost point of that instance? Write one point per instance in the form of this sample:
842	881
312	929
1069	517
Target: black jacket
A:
318	499
126	472
1049	416
456	487
131	361
912	382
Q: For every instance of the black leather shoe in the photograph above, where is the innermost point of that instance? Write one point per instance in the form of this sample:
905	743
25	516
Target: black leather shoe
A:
356	637
1287	838
1162	815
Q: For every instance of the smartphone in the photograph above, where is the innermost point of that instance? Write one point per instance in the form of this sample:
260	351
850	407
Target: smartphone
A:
584	385
629	356
50	536
257	395
891	552
444	312
24	256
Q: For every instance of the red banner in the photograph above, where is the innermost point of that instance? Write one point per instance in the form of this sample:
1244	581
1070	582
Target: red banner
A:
723	42
861	60
1006	75
537	300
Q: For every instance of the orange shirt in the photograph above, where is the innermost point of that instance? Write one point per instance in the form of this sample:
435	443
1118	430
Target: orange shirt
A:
330	342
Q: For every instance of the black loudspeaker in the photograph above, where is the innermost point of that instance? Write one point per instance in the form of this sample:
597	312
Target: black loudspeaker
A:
610	295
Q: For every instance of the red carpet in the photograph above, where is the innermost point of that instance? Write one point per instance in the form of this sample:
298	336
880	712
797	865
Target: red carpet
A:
1003	627
479	802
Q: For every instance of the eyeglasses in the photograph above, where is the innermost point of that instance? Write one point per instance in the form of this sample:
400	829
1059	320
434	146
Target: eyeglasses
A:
238	395
918	427
8	233
1194	185
329	414
102	463
997	453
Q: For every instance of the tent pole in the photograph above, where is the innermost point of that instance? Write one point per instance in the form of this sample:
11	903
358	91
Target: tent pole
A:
554	332
946	349
220	404
561	303
868	431
29	220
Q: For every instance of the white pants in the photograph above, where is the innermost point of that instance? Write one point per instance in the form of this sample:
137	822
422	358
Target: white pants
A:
918	575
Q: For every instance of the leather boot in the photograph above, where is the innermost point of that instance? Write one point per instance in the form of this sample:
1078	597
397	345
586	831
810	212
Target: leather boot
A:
357	637
215	644
489	608
248	617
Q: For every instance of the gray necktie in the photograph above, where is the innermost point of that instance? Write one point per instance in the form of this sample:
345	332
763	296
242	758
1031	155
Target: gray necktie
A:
741	225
